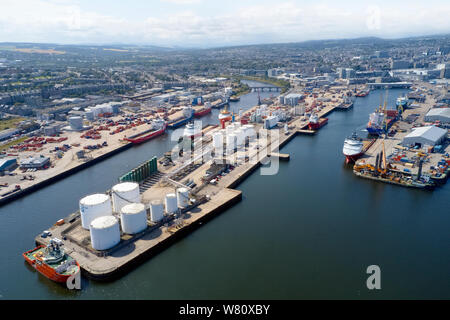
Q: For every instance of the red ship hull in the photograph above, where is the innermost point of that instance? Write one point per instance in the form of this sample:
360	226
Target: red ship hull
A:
318	125
45	270
147	137
202	113
352	159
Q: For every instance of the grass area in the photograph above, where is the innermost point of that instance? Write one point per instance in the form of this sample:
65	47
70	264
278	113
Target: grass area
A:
9	123
12	143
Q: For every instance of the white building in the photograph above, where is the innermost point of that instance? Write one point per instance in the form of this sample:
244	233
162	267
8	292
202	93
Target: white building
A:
429	136
438	114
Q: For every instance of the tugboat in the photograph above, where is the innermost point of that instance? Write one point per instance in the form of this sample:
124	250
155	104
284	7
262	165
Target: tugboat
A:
52	262
224	116
353	148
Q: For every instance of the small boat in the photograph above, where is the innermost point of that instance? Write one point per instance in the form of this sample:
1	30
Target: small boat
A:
52	262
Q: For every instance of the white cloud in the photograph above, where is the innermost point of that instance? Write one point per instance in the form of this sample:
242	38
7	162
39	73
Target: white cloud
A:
65	21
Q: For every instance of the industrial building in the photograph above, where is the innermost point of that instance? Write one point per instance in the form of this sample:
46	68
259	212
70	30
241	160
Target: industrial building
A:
291	99
438	114
35	162
7	164
429	136
8	133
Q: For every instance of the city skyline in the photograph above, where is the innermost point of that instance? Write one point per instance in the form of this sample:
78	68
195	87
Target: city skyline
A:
201	23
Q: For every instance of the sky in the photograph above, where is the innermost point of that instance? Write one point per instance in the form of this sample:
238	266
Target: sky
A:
210	23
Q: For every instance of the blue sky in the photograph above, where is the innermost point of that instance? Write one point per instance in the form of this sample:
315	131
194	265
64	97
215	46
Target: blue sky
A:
205	23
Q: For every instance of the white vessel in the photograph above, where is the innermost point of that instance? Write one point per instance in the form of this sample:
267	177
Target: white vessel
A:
353	148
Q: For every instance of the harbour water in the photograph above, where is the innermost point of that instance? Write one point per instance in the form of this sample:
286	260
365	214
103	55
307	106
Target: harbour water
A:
310	231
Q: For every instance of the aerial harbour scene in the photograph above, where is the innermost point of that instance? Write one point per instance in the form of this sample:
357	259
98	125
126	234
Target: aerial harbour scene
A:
224	167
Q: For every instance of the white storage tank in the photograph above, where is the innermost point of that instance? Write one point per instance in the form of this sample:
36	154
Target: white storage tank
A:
218	140
156	210
94	206
133	218
240	137
125	193
105	233
231	141
171	203
183	197
76	123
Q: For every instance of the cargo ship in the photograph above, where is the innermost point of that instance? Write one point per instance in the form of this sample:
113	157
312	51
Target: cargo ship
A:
206	109
158	127
316	123
52	262
188	114
353	148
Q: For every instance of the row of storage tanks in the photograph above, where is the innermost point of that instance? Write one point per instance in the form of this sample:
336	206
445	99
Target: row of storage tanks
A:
234	136
97	213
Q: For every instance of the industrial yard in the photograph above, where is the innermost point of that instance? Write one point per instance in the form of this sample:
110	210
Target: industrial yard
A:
201	186
413	165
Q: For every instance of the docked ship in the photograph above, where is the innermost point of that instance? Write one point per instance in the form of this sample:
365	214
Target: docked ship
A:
353	148
206	109
315	122
376	124
362	93
192	131
188	114
52	262
224	116
346	104
158	127
402	103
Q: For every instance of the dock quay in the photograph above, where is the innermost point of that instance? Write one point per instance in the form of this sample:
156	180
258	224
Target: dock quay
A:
207	201
387	160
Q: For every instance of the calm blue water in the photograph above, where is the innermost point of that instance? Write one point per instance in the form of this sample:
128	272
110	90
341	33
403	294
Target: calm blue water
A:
308	232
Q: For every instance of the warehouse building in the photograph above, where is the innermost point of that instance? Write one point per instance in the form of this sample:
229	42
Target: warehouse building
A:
7	164
422	136
35	162
438	114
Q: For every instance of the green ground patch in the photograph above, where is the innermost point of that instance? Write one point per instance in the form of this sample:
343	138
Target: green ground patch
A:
12	143
9	123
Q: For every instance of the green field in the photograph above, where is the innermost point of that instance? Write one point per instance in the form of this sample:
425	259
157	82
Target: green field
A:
12	143
9	123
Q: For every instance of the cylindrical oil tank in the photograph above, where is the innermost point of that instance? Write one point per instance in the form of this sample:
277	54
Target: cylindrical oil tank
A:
156	210
133	218
76	123
183	197
171	203
125	193
105	233
94	206
218	140
240	138
231	141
